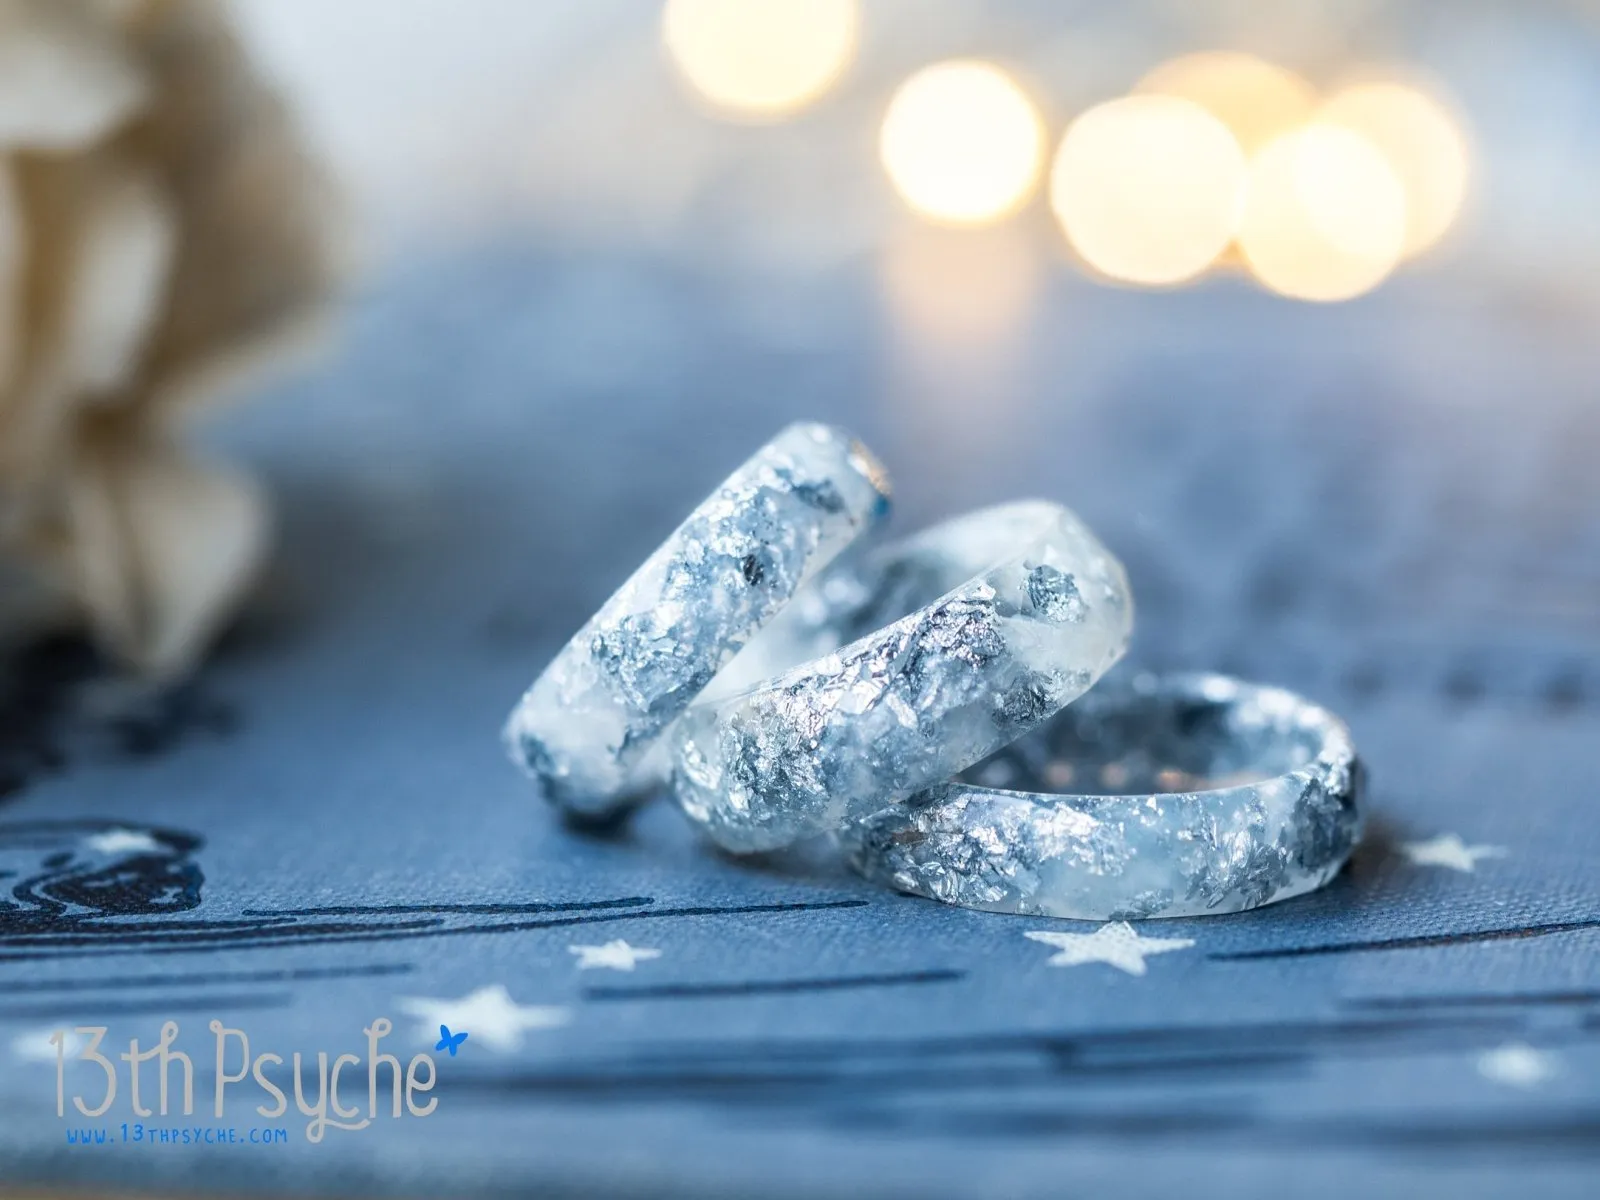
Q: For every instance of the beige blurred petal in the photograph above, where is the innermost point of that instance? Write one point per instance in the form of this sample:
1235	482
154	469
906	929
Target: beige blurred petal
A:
253	262
116	10
145	267
65	77
11	260
95	272
36	413
159	548
123	258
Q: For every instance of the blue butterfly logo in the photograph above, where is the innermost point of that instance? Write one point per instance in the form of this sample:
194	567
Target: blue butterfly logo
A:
449	1041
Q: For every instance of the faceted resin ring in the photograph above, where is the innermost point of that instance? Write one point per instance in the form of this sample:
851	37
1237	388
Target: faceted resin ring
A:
1219	796
925	656
586	727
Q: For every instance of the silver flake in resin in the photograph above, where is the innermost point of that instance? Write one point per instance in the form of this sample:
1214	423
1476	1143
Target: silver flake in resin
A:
586	728
1220	796
924	656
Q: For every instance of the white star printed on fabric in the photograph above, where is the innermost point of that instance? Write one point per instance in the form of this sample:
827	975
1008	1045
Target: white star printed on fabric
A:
123	841
615	955
489	1016
1115	944
1448	850
1517	1064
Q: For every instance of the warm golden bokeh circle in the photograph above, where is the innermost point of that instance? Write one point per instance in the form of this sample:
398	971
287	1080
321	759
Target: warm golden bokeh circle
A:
1217	156
760	58
1148	188
1425	147
962	143
1325	217
1256	99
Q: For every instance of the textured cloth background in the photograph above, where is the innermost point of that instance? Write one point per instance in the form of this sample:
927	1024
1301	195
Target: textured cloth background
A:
1404	529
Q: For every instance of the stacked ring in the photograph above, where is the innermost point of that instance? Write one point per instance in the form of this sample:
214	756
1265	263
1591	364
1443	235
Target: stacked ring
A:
1014	612
912	699
1232	796
586	727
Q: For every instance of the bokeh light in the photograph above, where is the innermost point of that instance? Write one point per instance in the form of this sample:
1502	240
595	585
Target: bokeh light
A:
1425	147
1257	100
962	143
760	58
1325	217
1148	188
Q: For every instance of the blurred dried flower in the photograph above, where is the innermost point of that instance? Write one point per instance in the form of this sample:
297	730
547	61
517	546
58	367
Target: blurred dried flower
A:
159	226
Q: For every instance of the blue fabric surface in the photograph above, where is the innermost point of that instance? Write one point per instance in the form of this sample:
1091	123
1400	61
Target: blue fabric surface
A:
1398	518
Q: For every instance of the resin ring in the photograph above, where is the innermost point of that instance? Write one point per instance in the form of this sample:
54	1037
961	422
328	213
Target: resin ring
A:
1013	612
586	727
1227	796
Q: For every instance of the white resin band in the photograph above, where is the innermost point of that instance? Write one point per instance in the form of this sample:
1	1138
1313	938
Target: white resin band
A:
586	728
1018	610
1227	796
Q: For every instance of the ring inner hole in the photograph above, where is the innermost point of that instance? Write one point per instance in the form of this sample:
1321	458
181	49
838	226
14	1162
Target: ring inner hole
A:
1140	745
